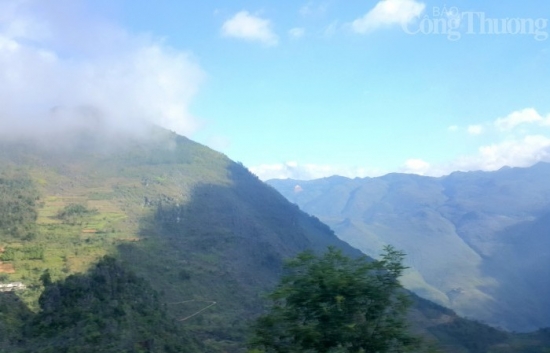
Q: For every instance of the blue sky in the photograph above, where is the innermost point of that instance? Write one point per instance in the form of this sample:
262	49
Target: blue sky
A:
298	89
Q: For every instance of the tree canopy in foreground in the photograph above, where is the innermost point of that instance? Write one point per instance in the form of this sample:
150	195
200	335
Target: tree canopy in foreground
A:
333	303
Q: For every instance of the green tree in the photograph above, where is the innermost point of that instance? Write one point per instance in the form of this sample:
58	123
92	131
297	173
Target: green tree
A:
333	303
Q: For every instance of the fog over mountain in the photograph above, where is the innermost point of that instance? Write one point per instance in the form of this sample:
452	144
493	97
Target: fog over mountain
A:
477	242
62	63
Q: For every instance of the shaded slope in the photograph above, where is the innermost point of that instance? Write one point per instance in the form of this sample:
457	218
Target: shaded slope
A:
227	245
13	316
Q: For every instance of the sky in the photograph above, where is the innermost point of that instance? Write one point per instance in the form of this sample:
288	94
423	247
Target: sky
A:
293	89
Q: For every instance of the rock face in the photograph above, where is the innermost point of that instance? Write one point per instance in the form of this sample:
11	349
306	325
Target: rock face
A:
477	242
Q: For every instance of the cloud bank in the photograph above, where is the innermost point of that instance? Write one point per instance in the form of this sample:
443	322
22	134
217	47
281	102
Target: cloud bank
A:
295	170
516	147
57	60
525	116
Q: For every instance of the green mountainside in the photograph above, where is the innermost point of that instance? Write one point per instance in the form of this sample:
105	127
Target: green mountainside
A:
477	242
158	245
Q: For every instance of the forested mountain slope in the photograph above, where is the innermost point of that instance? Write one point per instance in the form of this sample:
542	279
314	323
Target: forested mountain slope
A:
192	236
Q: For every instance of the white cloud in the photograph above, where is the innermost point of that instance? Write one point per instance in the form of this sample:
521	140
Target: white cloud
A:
515	149
388	13
525	116
514	153
243	25
475	129
61	56
297	32
509	123
294	170
522	152
416	166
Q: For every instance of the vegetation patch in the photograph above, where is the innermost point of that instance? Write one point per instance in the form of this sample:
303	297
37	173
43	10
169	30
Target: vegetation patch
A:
74	212
17	207
108	309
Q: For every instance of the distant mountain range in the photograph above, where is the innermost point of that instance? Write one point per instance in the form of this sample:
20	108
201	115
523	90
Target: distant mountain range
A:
477	242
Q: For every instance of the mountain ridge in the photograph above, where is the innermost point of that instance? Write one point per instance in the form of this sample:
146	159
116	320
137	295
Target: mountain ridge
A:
464	221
